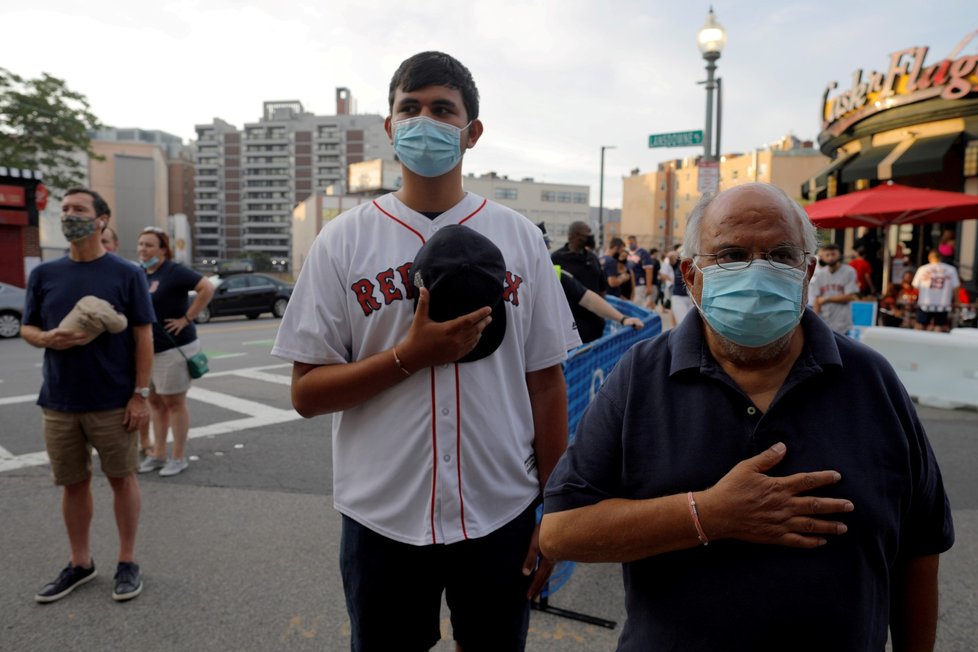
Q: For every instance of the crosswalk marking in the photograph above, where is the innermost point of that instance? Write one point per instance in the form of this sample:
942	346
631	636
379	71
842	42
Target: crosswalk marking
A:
256	414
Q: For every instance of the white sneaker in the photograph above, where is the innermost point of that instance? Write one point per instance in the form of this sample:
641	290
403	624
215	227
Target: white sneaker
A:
151	464
173	467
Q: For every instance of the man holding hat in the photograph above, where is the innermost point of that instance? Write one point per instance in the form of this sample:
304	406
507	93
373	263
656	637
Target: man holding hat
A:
97	366
431	322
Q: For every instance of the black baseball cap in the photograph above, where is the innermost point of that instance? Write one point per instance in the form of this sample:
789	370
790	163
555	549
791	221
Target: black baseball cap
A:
463	271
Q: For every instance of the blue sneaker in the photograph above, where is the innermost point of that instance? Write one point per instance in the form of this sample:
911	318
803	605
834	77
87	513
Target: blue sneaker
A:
128	584
69	579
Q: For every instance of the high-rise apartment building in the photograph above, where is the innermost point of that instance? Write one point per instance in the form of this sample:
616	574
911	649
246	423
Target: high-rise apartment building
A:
248	180
656	205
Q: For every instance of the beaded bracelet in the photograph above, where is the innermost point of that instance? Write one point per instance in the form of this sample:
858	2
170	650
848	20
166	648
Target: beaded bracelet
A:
700	534
397	361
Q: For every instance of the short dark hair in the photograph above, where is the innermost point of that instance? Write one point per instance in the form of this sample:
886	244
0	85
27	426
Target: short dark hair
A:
616	242
436	69
98	202
829	246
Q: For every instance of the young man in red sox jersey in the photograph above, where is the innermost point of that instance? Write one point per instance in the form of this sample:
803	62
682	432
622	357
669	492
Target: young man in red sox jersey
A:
437	465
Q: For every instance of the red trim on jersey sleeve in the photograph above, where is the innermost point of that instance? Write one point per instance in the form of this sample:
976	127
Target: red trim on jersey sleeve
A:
434	454
481	206
458	450
409	228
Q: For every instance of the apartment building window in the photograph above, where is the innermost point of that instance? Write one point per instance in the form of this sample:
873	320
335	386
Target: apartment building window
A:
505	193
762	169
564	197
548	195
580	197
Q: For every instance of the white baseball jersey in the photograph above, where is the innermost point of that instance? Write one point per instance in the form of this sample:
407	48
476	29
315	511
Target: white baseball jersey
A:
447	453
937	283
826	283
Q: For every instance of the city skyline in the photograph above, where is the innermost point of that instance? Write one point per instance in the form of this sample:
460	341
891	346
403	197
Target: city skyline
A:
558	80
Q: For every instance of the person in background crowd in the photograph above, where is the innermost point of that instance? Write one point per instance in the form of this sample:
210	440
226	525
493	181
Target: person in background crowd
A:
891	312
908	293
170	284
618	279
644	271
94	391
937	286
832	288
864	273
577	258
946	247
110	239
577	294
681	303
768	488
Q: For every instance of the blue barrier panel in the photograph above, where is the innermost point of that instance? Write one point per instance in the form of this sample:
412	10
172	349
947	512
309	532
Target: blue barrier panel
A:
585	370
589	364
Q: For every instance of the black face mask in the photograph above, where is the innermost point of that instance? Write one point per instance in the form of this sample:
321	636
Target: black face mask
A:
590	242
822	263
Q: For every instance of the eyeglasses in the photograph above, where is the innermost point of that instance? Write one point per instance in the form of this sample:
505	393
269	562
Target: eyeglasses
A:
153	229
737	258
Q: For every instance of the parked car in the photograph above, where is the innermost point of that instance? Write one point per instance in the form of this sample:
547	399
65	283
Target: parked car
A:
11	309
246	294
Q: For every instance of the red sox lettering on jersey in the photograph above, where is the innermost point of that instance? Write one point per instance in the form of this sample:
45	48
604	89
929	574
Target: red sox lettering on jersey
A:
446	454
393	285
831	290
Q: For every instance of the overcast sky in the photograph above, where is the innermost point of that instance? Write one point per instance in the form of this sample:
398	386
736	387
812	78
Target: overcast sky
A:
558	78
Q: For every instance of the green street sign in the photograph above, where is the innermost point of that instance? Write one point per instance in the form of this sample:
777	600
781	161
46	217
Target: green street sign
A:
677	139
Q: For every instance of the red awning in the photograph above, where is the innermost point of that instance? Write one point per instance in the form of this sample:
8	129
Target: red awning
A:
892	204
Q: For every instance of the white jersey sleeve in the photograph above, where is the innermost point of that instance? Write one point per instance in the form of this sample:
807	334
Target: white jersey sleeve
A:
316	327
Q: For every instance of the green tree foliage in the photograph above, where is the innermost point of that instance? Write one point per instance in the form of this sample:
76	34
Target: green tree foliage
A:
44	125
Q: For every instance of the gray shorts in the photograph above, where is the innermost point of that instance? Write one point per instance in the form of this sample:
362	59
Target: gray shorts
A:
170	375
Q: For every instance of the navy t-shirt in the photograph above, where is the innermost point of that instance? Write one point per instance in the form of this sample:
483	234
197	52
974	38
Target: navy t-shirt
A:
638	260
100	375
609	265
679	285
169	286
670	420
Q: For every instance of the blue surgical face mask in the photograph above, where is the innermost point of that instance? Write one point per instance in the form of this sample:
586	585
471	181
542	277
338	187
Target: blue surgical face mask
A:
146	264
755	306
427	147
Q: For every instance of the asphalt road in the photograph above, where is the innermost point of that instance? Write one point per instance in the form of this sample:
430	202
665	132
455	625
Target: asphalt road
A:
239	552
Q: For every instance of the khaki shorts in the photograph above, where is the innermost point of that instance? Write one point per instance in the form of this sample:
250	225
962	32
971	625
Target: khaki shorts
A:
70	437
170	375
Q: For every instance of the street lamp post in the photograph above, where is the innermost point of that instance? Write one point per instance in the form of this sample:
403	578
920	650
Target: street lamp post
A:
600	238
711	39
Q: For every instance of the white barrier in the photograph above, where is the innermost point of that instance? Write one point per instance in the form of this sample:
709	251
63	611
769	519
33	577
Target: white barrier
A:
965	332
939	369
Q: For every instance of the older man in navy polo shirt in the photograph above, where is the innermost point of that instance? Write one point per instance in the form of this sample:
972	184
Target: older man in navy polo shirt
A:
765	483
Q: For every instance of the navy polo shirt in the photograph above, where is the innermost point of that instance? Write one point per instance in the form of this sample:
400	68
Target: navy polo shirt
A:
670	420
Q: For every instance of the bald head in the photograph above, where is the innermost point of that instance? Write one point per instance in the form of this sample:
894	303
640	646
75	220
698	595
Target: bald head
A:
579	228
758	204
